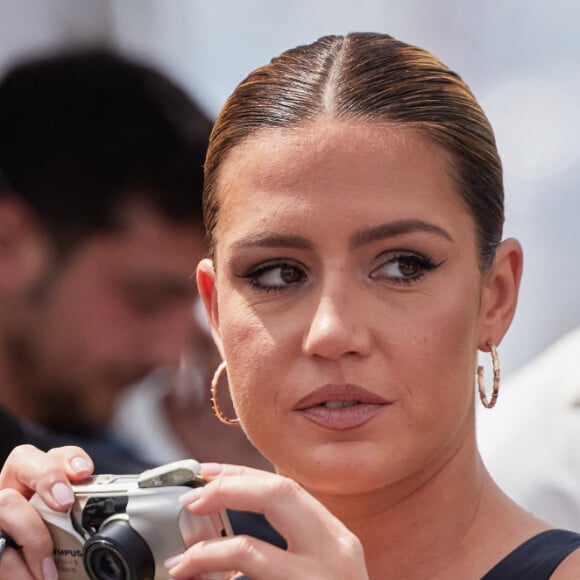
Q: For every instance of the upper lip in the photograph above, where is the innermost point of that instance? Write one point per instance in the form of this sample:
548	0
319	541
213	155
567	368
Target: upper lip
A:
345	392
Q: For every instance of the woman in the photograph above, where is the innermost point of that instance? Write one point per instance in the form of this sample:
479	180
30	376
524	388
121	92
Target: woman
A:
354	204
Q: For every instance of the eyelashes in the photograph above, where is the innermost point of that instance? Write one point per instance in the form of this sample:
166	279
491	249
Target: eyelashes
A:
394	268
403	267
275	276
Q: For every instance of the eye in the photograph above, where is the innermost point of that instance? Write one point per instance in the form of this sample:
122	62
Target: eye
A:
404	268
275	276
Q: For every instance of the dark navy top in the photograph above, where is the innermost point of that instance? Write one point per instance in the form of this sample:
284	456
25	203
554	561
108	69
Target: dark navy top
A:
537	558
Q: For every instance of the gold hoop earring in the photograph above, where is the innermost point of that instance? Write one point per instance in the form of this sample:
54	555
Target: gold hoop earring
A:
481	384
214	396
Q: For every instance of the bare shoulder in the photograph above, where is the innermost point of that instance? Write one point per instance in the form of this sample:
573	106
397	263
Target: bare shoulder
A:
569	569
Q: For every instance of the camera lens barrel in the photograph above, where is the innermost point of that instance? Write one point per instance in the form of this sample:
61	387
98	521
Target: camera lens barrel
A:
118	552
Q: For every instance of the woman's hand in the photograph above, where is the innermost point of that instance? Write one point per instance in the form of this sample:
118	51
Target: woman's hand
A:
319	545
28	470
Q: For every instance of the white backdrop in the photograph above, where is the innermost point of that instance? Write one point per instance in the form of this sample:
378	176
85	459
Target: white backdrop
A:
520	57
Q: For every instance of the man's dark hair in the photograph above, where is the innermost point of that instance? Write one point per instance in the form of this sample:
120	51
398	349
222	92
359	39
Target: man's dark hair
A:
83	132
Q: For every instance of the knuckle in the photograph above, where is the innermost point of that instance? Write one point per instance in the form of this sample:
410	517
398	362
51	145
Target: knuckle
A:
46	472
352	543
215	491
215	485
21	452
351	546
66	451
286	487
244	547
9	498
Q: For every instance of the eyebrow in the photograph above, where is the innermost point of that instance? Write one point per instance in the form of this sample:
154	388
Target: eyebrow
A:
271	240
358	239
396	228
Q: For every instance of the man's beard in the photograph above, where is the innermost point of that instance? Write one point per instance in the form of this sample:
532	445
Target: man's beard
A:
54	404
76	404
62	390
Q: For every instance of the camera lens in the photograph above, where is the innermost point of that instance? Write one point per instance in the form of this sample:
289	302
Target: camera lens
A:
118	552
106	564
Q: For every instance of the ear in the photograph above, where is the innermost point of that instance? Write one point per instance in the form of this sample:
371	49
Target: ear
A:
206	285
23	247
500	293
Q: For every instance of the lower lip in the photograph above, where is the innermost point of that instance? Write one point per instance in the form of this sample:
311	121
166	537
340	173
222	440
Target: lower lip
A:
342	417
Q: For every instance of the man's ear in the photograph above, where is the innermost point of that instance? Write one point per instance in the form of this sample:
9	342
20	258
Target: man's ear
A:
205	276
23	246
500	293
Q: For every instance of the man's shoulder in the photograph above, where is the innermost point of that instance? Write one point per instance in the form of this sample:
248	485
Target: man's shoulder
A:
11	433
106	455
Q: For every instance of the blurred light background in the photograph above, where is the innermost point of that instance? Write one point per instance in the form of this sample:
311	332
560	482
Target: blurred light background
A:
520	57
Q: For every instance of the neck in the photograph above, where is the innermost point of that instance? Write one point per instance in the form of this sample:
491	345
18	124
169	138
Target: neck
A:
427	528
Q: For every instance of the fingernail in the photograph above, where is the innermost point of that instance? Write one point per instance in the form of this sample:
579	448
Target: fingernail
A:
171	562
191	496
62	493
211	469
49	571
80	464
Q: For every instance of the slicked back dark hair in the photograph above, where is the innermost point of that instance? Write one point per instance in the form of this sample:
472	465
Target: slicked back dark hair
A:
371	78
83	132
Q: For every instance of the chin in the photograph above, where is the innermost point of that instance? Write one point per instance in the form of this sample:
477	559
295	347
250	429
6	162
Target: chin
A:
343	469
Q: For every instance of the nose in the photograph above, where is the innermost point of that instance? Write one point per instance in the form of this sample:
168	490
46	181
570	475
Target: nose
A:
337	328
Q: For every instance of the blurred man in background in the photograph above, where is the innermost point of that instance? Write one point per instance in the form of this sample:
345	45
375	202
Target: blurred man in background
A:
100	230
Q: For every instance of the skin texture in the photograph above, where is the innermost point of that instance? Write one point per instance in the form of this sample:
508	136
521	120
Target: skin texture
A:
344	214
75	331
352	320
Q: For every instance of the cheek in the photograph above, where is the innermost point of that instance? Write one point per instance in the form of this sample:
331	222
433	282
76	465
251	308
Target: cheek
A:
251	355
451	335
441	380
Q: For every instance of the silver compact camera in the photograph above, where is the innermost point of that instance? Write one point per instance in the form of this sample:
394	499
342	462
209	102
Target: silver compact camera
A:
123	527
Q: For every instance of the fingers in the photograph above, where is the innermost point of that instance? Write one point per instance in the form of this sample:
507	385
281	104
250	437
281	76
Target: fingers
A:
257	559
27	469
13	566
74	460
319	545
209	471
24	525
324	555
292	511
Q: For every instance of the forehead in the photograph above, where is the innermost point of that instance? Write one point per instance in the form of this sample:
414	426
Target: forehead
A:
144	243
274	154
345	165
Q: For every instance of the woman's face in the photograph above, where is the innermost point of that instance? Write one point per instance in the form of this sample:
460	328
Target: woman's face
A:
346	301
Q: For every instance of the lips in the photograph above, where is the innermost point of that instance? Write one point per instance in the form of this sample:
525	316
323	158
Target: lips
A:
340	406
